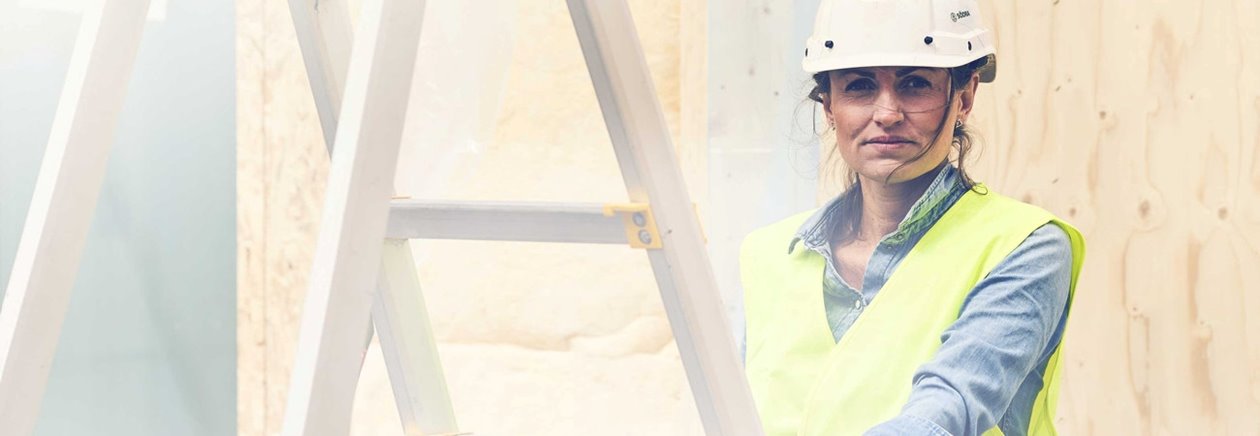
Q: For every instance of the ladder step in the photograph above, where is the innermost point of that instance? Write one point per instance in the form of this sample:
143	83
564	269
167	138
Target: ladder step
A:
505	221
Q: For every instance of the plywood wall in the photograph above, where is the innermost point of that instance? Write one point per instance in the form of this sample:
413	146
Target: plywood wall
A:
1139	122
281	168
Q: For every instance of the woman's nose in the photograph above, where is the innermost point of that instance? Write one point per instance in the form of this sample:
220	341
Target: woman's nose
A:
887	110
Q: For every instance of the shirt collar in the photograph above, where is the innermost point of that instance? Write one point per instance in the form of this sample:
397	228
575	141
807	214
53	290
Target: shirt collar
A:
815	231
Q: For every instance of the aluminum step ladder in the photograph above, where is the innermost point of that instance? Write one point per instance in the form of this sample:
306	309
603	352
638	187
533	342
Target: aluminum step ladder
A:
661	220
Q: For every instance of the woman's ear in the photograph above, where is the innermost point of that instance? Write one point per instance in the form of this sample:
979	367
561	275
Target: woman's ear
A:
967	98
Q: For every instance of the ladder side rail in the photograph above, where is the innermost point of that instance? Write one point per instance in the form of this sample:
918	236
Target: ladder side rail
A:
648	164
325	36
63	203
410	350
348	251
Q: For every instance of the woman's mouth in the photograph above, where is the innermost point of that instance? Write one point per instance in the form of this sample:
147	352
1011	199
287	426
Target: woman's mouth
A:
889	143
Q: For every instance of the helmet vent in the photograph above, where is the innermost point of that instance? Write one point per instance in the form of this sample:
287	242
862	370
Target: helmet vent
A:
968	45
829	44
927	40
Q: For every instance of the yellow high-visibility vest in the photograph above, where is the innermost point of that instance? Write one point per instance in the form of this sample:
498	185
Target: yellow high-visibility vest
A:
805	383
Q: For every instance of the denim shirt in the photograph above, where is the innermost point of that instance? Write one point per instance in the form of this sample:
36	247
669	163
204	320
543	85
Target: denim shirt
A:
989	367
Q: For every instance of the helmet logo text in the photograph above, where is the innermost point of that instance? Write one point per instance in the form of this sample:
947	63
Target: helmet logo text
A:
955	16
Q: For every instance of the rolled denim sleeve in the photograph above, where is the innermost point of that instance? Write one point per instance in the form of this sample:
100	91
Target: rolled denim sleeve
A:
1009	325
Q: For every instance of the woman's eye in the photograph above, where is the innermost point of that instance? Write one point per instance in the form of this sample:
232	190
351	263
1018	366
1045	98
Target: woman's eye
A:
859	85
915	82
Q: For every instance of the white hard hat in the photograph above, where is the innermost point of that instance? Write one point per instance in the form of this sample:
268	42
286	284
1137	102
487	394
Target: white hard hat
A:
913	33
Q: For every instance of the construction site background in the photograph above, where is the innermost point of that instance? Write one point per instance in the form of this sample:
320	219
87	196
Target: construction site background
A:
1139	122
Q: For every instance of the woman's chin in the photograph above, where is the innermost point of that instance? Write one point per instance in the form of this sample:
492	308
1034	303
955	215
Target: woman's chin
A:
879	170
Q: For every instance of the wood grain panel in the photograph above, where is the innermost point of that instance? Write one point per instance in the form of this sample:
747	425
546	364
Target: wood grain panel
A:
251	316
1137	122
281	178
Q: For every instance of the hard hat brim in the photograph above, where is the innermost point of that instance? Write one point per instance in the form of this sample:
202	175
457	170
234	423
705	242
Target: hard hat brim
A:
820	64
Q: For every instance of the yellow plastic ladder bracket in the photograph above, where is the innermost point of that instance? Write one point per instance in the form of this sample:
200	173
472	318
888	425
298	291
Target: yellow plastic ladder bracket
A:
640	225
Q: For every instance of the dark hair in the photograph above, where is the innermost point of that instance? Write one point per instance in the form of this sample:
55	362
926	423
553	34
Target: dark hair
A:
963	140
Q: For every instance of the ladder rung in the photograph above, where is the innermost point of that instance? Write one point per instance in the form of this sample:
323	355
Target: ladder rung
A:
504	221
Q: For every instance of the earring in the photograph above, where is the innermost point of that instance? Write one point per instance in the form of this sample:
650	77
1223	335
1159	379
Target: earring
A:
958	125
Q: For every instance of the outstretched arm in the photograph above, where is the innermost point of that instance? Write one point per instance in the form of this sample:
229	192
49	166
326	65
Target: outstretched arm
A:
992	358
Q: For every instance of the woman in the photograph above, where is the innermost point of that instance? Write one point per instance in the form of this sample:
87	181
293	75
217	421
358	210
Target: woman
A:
916	302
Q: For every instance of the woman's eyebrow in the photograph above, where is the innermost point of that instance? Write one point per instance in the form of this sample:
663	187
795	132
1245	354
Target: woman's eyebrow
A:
862	73
907	70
